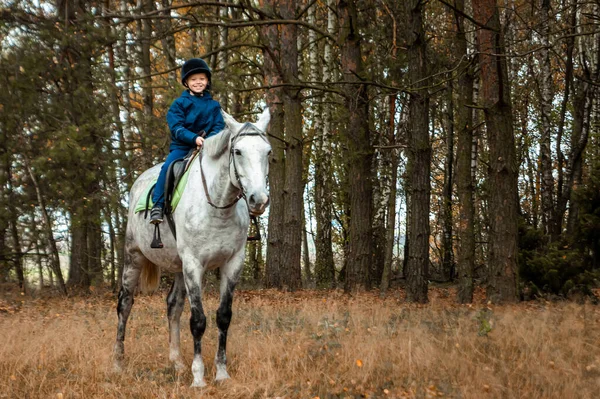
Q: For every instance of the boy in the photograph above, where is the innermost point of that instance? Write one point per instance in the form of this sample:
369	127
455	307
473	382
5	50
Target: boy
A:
191	117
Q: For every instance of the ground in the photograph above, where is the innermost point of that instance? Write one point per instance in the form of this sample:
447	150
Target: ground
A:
306	344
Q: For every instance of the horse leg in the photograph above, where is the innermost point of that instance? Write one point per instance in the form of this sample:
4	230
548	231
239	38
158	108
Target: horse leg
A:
223	319
131	274
175	302
193	281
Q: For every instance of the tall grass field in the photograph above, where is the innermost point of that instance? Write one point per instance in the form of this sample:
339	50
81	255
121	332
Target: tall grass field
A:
308	344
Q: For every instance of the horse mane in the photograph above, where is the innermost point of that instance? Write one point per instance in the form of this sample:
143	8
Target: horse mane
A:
217	145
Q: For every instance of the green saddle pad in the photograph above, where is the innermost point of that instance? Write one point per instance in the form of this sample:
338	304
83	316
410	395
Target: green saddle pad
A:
141	205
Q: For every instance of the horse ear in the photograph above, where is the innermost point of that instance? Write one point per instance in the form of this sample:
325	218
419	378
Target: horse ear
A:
230	121
263	120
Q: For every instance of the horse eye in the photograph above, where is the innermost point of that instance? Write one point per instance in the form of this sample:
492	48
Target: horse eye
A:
237	152
270	153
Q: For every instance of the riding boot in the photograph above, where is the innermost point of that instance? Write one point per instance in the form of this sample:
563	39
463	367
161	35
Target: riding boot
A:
156	215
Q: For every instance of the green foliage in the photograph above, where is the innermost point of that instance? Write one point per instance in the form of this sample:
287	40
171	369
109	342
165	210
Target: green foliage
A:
588	230
568	266
483	318
556	269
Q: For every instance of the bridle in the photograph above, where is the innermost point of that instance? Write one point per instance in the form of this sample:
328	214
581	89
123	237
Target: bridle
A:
247	129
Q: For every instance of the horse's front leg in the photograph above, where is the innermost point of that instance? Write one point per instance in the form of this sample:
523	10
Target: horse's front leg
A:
228	283
192	275
175	302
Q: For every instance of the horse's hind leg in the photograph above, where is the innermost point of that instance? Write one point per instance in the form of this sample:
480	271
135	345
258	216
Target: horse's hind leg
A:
175	302
131	275
223	319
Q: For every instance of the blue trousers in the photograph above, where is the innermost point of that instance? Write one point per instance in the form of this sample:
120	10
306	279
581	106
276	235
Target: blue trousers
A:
158	197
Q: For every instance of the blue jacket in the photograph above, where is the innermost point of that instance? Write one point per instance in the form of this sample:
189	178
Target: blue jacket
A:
189	115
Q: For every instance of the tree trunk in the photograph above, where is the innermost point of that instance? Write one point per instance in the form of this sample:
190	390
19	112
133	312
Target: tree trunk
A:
464	175
50	276
78	266
126	138
223	56
13	214
419	165
4	264
293	187
146	115
407	234
271	54
390	228
546	98
503	169
18	254
579	139
4	216
120	247
447	242
48	231
305	253
382	188
94	238
112	242
589	54
79	90
359	151
252	261
324	264
259	262
40	265
561	198
168	41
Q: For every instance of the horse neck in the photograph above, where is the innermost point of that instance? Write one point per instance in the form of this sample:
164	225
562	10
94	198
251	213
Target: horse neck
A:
218	181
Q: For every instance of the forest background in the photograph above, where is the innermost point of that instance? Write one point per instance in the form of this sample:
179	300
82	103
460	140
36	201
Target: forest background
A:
414	141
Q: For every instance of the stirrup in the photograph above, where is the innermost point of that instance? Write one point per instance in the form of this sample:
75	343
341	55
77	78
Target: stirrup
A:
156	242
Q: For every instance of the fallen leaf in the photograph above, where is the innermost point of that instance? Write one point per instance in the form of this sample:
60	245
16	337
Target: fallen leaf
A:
359	363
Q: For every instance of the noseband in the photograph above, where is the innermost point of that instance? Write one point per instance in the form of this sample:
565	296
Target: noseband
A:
247	130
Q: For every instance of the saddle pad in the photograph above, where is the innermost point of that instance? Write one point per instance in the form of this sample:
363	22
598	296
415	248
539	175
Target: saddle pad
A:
141	205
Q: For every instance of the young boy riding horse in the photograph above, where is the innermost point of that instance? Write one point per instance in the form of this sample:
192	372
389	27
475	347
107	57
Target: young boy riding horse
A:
192	117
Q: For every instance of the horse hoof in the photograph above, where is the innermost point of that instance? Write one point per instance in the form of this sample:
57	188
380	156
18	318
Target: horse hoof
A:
222	376
117	367
179	366
198	384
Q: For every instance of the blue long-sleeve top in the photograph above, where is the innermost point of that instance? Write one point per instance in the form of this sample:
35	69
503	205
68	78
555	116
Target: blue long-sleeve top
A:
189	115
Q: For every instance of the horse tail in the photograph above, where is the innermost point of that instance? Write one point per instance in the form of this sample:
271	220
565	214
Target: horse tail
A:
149	278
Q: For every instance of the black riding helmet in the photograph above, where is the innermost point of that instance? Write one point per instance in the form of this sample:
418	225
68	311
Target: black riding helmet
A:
192	66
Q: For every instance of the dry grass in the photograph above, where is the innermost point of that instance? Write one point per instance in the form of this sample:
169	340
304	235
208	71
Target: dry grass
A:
305	345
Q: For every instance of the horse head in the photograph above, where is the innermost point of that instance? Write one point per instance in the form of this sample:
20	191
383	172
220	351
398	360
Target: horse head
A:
249	150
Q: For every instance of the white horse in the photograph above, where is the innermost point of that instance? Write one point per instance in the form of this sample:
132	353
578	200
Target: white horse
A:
211	228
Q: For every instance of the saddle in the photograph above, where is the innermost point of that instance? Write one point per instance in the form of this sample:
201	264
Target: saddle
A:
174	174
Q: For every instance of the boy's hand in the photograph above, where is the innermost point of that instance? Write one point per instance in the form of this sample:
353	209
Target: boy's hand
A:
199	141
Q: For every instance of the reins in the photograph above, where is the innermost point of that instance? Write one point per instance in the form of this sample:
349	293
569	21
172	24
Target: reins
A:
208	199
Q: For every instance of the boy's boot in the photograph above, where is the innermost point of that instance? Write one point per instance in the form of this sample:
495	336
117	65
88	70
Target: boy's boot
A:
156	215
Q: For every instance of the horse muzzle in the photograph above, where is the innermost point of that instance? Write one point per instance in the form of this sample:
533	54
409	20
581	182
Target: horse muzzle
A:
257	203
